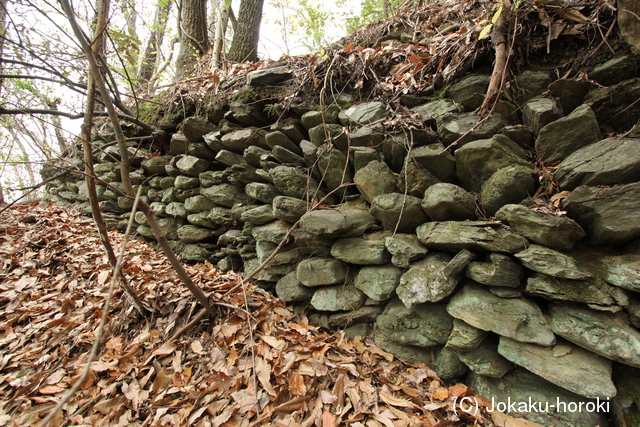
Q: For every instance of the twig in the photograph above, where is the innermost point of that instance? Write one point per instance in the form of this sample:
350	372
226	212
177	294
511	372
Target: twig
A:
103	321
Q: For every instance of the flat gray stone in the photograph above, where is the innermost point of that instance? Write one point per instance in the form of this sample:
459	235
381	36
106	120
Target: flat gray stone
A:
186	182
332	166
608	162
375	179
314	272
469	91
566	365
610	216
570	93
448	366
198	203
415	179
268	76
191	165
436	160
552	263
615	70
471	235
332	134
176	210
229	158
261	192
591	291
226	195
465	337
367	250
559	139
425	282
152	165
398	212
501	270
317	117
289	289
340	222
279	139
530	84
623	271
511	184
605	334
220	217
430	111
193	234
520	385
519	319
273	232
364	113
337	298
448	202
478	160
453	127
294	183
289	208
259	215
485	360
405	248
378	282
539	112
556	232
424	325
239	140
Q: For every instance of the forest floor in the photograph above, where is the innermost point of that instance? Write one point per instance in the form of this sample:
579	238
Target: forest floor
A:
258	362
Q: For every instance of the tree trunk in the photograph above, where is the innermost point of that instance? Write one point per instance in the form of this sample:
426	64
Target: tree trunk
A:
221	31
150	58
3	17
244	46
193	36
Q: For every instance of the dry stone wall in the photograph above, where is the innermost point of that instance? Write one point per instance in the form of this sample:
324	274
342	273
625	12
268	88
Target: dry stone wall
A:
443	256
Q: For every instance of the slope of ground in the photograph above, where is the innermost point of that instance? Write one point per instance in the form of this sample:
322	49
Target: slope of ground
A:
256	363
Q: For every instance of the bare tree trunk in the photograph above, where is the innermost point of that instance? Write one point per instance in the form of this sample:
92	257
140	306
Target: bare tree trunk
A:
149	60
193	36
244	46
221	31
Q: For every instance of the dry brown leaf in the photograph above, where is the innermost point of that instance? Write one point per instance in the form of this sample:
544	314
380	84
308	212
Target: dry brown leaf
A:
503	420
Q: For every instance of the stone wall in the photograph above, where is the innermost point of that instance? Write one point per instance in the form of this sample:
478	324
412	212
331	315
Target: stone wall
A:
450	257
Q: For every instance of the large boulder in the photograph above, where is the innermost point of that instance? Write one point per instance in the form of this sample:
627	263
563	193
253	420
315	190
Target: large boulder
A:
556	232
515	318
610	216
564	136
608	162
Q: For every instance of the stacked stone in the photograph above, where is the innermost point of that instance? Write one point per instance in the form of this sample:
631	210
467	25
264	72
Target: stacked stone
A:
430	240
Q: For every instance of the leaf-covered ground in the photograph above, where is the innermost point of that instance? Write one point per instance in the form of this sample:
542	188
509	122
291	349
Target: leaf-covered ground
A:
269	367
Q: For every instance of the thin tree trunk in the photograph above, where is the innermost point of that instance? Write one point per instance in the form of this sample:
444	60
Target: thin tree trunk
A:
3	18
244	46
221	31
149	60
193	36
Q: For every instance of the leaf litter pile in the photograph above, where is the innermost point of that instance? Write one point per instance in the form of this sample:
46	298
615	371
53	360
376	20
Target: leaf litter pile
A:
258	364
